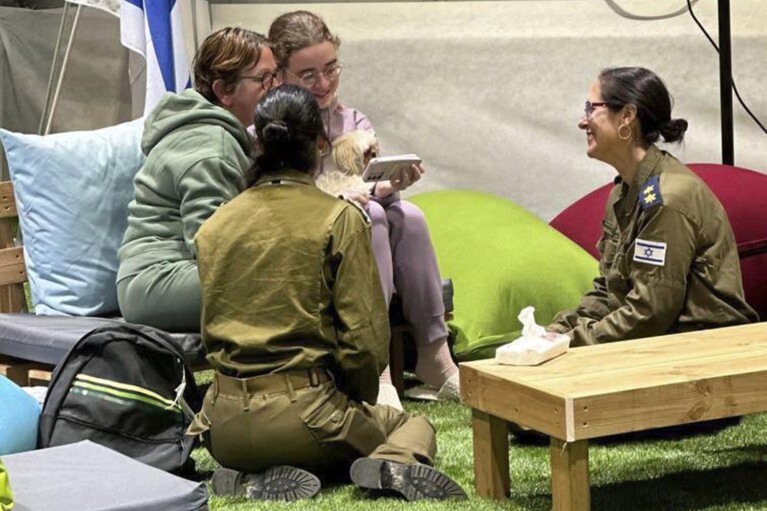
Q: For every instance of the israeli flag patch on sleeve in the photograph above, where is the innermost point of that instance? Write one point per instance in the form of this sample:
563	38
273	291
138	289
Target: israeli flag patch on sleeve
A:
650	252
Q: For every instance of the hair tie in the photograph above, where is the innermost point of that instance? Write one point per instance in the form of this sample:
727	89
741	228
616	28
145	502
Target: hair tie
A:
276	131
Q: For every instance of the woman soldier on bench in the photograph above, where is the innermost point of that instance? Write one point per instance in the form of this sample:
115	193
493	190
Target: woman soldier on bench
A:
295	324
669	259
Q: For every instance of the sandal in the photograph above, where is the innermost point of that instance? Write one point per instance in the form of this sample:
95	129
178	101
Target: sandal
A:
450	391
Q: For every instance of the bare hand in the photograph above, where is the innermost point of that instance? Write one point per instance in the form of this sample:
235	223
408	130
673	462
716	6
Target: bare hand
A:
360	198
407	177
403	181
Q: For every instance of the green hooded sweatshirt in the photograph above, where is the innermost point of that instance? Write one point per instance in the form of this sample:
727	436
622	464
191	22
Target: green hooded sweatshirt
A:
197	153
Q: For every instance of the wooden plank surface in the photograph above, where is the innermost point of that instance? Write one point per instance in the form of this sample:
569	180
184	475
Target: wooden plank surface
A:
670	405
491	456
12	268
597	366
7	200
570	475
513	401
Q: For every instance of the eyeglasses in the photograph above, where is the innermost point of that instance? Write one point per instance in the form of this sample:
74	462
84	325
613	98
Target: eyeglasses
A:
309	79
266	80
589	107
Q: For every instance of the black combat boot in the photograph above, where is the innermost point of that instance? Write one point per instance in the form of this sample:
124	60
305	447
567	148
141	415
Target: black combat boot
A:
276	483
414	482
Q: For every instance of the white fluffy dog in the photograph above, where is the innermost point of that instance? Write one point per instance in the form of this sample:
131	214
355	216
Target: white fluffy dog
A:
350	154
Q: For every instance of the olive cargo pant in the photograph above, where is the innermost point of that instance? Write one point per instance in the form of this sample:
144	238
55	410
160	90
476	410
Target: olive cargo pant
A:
301	419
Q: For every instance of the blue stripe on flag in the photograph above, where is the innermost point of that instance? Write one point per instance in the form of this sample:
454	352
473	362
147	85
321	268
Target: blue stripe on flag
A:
651	245
158	17
651	259
137	3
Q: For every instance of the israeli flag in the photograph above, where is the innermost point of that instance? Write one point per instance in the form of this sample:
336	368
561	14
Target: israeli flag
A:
152	28
650	252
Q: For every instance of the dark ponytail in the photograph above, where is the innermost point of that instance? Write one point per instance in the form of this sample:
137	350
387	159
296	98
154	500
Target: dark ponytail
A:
642	88
673	130
288	125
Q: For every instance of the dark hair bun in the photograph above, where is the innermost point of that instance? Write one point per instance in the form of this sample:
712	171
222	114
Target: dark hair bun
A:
276	132
673	130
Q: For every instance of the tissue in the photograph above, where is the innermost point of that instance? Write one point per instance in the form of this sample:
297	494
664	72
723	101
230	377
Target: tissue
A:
535	346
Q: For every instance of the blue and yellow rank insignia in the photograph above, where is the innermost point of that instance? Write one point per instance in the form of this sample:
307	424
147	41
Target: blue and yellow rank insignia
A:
649	193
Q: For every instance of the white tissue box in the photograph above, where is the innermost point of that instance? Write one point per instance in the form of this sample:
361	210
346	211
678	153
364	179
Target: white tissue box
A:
531	351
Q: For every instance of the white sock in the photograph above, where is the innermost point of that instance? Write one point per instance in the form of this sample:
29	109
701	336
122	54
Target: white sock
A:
387	395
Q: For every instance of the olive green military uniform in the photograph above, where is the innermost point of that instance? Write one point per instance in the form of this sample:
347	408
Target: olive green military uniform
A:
295	324
669	261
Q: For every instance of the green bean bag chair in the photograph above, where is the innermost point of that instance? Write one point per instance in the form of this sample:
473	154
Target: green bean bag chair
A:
501	258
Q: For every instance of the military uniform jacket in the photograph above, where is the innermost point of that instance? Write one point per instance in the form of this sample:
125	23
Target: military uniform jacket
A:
669	262
289	282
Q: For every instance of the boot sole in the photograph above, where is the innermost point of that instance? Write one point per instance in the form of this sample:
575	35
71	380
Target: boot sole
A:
414	482
284	483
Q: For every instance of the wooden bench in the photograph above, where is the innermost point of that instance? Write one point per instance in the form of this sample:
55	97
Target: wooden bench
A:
598	391
13	274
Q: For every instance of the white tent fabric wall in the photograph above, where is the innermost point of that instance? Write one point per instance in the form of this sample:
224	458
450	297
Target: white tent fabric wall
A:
95	92
489	93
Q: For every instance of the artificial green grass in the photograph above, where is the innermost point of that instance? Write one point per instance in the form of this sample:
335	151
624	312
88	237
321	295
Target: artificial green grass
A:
724	470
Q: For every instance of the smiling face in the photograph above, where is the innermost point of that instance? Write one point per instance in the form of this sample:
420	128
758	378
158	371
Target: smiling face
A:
601	127
314	60
242	99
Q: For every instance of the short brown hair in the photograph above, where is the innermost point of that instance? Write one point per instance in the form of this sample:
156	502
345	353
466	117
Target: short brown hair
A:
295	31
223	55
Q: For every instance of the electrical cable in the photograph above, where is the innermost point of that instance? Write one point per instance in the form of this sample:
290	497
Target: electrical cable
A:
716	47
623	12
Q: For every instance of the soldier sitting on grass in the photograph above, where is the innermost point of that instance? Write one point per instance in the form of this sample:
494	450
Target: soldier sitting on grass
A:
295	324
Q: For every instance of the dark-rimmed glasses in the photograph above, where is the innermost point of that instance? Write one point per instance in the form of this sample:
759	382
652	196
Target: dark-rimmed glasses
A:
590	106
266	80
309	79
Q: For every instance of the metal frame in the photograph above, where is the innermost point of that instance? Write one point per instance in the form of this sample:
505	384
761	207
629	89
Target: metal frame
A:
46	119
725	83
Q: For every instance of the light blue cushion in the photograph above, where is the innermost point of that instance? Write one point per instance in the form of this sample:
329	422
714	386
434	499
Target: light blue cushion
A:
19	415
72	193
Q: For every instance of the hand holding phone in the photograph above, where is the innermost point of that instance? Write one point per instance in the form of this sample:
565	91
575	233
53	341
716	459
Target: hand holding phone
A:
387	167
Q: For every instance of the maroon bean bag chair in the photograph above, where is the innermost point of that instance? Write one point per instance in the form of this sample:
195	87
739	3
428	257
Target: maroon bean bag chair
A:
742	192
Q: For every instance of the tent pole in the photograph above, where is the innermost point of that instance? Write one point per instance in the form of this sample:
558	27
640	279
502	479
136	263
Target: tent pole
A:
53	69
194	25
725	82
63	70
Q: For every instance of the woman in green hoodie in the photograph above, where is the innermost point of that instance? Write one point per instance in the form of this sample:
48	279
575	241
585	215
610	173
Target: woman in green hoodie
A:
197	149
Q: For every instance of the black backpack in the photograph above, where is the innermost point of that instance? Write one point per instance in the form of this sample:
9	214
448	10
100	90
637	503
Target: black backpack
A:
121	386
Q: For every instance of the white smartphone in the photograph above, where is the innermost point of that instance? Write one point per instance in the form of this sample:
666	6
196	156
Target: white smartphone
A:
386	167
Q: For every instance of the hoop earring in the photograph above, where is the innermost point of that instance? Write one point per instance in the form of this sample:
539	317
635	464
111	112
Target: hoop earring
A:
620	135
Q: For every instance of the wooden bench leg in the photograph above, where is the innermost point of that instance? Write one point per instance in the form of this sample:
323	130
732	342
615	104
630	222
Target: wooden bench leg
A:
570	475
491	456
397	359
15	370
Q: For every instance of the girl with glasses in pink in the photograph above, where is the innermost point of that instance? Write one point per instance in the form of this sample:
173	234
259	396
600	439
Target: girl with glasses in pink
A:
306	52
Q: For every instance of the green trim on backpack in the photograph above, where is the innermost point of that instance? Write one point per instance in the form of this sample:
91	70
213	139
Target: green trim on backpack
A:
6	496
103	388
